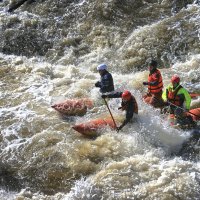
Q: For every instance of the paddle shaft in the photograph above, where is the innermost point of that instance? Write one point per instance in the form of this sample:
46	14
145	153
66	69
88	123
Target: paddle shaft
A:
182	109
110	113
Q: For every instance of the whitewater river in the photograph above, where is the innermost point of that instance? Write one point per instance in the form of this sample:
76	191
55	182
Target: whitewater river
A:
49	51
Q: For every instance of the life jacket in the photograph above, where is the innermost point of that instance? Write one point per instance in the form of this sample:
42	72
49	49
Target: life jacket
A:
155	88
106	83
124	105
173	97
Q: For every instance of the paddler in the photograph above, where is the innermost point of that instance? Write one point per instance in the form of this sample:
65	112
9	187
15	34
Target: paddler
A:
106	83
182	120
175	95
155	86
128	104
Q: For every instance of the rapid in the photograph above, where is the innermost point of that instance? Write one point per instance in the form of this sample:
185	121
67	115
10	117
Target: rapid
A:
49	51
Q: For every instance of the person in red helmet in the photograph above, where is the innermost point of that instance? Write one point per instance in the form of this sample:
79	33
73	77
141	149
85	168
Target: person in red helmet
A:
129	104
183	121
176	96
155	86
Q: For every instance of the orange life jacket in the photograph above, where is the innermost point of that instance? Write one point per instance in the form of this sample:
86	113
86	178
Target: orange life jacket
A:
135	106
156	88
173	97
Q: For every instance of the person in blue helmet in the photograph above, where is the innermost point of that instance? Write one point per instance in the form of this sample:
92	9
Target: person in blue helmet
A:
106	83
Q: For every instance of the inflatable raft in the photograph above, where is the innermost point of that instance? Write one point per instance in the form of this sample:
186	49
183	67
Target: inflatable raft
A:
74	106
195	114
93	127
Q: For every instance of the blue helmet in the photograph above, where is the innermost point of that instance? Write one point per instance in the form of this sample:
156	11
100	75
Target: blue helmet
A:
102	67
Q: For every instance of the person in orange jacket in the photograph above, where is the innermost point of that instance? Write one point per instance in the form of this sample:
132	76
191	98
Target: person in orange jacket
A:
182	120
155	86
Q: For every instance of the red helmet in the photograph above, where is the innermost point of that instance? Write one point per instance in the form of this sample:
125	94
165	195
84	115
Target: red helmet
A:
175	79
126	95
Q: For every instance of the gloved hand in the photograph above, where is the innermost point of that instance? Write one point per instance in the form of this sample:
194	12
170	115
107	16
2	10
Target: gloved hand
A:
167	103
119	128
104	96
165	110
145	83
97	84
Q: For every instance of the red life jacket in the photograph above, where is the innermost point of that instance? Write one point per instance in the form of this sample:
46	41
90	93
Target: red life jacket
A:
153	77
173	97
124	105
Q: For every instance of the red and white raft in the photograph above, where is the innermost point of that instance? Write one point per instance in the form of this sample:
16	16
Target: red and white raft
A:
93	127
74	106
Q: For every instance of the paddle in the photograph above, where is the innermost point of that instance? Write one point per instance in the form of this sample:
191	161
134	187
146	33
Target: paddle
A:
182	109
110	113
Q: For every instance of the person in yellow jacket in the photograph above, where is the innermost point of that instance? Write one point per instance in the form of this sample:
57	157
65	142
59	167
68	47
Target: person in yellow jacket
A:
176	96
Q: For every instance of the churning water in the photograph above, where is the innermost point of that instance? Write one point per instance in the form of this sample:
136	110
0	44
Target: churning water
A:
49	52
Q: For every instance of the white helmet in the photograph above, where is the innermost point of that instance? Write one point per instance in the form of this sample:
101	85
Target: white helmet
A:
101	67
